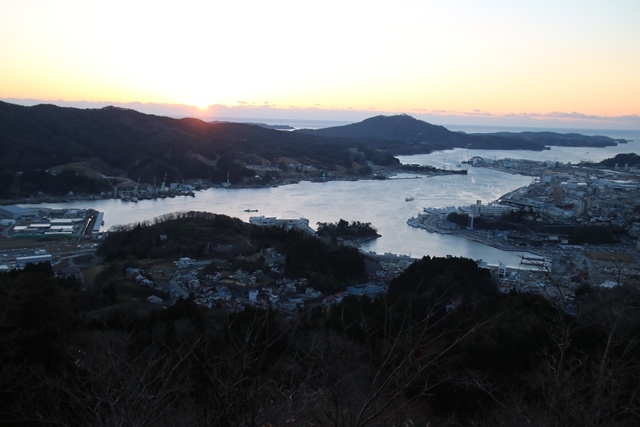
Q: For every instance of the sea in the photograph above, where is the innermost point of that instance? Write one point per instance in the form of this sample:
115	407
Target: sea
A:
379	202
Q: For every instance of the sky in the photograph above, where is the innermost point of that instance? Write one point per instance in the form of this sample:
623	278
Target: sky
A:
535	63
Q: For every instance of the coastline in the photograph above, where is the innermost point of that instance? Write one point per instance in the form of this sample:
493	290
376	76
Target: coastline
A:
436	222
379	174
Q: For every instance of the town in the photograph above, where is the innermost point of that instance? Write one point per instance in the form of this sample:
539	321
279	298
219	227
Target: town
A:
561	199
68	239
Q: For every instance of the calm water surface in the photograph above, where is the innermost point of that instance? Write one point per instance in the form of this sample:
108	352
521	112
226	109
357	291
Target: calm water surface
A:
382	203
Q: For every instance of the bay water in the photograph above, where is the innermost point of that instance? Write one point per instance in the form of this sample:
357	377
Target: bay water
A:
380	202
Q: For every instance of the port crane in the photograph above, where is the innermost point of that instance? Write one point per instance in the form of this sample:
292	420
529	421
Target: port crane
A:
135	191
115	189
163	186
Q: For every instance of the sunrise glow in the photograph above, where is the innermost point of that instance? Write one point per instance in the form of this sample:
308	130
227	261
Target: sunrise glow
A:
407	56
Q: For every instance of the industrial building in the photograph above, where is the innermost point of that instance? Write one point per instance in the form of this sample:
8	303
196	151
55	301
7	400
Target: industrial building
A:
15	212
33	259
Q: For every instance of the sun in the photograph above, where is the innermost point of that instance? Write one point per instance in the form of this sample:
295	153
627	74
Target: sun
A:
201	103
202	106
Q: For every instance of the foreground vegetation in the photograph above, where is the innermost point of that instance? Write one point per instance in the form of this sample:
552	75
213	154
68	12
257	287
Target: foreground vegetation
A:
443	347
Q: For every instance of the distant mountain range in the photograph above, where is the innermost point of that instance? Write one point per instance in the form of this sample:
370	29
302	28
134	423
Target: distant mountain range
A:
55	149
404	134
126	144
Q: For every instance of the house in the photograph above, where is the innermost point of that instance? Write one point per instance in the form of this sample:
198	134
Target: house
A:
132	272
328	301
340	296
502	270
184	262
154	299
369	290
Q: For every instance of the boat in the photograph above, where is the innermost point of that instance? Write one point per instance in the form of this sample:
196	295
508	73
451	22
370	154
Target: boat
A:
251	210
409	199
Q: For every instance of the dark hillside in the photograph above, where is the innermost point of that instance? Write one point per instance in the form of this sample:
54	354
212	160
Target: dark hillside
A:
559	139
622	160
395	128
94	358
394	135
417	136
130	145
403	134
56	150
328	267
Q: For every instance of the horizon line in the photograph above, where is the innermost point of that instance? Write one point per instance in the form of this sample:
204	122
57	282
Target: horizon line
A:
553	120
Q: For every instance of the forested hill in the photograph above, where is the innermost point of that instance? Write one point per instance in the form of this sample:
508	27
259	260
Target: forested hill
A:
622	160
125	143
403	134
412	135
396	128
55	150
559	139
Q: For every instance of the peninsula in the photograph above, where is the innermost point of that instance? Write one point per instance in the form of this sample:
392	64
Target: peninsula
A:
571	217
51	151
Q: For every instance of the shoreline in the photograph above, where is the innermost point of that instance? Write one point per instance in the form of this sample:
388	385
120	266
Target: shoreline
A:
433	223
379	175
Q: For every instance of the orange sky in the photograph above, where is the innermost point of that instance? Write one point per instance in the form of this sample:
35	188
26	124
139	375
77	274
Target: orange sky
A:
412	56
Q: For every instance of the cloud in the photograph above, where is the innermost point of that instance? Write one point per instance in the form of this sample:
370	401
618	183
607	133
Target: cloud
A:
632	121
475	117
555	119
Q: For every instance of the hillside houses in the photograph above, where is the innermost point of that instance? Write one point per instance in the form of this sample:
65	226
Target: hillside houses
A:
235	289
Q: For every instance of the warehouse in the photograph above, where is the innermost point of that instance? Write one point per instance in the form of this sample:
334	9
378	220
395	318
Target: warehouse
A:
15	212
33	259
